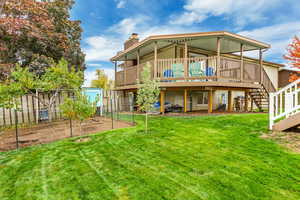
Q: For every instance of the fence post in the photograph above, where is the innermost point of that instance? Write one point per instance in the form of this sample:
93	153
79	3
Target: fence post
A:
111	110
271	111
16	126
71	128
37	106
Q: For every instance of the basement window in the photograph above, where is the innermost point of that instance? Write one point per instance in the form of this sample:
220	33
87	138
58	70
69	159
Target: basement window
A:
202	98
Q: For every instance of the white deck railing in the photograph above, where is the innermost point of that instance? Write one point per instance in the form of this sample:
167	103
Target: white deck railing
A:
284	103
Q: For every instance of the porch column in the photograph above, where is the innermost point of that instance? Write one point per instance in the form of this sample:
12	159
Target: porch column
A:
138	64
261	64
116	64
218	56
185	100
242	62
246	100
162	101
252	104
229	101
185	60
210	101
155	60
124	70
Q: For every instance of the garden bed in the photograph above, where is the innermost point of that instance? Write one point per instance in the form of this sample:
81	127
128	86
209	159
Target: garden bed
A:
48	132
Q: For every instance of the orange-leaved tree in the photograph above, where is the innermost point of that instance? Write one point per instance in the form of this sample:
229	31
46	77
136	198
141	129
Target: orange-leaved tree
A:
293	55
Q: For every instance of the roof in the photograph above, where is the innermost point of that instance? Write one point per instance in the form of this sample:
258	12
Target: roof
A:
278	65
291	69
231	43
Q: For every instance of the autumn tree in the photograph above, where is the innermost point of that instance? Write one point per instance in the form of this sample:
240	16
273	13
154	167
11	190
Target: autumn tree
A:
37	33
293	55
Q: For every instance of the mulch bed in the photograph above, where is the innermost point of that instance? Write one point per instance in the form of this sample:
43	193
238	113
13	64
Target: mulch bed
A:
49	132
290	139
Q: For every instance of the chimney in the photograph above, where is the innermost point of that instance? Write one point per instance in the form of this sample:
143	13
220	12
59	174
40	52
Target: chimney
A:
133	39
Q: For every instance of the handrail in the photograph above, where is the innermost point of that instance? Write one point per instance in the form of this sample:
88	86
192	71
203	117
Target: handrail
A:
229	70
284	103
288	86
265	76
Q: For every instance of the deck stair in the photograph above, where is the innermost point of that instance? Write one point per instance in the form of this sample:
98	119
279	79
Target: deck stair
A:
284	111
260	95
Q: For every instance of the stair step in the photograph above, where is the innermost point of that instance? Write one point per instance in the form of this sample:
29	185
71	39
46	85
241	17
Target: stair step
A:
287	123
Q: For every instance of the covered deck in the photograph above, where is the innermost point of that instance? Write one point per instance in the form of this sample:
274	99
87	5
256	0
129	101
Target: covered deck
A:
224	63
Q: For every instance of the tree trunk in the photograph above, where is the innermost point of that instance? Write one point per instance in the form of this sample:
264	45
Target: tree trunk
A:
17	133
80	129
146	123
49	113
71	128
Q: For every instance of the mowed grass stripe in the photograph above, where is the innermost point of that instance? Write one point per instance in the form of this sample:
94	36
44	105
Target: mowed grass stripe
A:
132	175
219	157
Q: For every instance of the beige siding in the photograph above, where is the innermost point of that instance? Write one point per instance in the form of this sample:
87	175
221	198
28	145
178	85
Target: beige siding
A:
164	53
273	74
175	97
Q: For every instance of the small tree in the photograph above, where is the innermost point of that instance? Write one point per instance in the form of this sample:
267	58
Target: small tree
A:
9	95
78	108
101	81
293	56
148	92
56	78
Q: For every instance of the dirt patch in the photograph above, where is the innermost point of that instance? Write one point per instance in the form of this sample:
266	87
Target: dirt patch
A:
291	140
85	139
49	132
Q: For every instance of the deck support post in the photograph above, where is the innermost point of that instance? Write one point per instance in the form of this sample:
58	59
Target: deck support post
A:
116	64
210	101
185	100
162	101
242	62
246	100
155	60
252	104
185	60
124	69
229	101
218	56
138	64
261	64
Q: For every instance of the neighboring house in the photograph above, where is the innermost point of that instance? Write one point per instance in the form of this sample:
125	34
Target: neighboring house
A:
199	71
284	76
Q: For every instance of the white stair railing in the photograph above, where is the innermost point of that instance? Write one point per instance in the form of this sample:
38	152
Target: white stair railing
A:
284	103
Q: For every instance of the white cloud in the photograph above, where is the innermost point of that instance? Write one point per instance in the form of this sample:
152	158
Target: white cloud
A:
93	65
130	25
279	36
91	75
121	3
242	11
101	48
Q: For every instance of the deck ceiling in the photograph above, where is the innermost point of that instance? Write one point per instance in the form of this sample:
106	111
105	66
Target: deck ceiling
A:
230	43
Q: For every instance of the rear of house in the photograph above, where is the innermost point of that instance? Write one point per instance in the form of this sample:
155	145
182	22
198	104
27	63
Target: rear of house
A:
199	71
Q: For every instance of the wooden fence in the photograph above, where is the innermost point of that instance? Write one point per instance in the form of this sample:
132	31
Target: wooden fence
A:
31	110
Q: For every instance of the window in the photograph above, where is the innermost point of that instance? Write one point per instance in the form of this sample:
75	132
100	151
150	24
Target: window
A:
202	98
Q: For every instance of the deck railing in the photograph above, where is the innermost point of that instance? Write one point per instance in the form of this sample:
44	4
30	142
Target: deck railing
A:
284	103
198	68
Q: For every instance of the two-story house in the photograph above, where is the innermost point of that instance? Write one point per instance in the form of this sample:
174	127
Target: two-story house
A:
199	71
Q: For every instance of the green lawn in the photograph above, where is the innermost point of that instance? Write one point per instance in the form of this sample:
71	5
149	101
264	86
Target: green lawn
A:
217	157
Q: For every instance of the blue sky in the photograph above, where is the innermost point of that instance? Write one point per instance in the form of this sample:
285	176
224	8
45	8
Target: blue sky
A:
108	23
